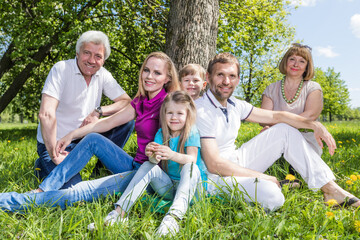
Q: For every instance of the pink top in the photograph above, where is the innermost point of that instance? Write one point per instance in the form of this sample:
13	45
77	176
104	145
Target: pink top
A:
147	121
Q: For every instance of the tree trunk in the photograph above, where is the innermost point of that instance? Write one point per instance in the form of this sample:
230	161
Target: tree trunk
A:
192	31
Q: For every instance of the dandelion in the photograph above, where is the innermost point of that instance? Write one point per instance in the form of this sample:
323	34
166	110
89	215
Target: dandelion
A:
349	182
331	202
290	177
340	142
9	141
357	226
330	214
16	149
340	146
342	161
22	138
353	177
353	140
37	169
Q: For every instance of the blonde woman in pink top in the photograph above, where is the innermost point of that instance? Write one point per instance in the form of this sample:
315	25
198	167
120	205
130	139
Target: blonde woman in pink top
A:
296	93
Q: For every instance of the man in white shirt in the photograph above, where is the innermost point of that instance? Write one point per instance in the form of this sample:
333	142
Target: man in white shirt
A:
219	119
71	99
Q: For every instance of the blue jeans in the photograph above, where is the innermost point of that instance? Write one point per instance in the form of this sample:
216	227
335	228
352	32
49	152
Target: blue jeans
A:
113	157
84	191
119	135
180	191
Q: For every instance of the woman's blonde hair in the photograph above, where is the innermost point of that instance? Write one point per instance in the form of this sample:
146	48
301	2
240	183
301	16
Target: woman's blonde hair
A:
178	97
303	51
173	83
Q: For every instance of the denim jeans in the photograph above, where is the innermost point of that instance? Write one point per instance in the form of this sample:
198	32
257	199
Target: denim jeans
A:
119	135
84	191
113	157
152	174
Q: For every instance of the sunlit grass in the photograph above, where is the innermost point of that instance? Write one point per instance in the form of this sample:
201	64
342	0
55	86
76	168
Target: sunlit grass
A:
303	216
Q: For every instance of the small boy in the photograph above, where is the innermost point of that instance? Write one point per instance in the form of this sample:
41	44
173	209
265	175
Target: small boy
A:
192	80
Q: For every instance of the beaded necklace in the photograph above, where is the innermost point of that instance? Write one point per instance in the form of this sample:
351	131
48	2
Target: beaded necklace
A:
296	94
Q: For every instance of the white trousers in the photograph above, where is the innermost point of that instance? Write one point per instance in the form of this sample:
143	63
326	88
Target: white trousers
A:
261	152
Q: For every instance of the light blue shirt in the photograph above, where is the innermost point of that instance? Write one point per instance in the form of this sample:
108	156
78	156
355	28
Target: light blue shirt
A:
174	168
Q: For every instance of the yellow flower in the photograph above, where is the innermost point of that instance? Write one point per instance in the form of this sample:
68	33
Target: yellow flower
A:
330	214
331	202
349	182
9	141
290	177
37	169
340	142
16	149
353	177
357	225
353	140
342	161
340	146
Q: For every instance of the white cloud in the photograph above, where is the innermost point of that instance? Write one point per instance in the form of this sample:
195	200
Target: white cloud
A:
354	89
326	52
355	25
303	3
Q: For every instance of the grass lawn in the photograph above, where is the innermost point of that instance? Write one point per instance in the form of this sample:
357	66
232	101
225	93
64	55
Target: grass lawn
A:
303	216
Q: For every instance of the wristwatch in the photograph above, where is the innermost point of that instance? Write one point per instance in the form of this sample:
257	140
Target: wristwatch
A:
99	111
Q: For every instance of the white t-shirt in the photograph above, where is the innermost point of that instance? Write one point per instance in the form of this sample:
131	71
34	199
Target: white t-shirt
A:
212	122
76	100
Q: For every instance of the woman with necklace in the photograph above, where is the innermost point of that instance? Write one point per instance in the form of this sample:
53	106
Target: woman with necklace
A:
296	92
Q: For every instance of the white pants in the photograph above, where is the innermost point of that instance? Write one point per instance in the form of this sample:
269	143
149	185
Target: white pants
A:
261	152
181	192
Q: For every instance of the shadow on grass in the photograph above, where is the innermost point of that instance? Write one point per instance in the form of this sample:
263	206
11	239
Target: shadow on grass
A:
17	134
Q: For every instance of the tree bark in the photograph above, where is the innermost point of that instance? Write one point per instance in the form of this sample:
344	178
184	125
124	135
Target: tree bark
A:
192	31
6	63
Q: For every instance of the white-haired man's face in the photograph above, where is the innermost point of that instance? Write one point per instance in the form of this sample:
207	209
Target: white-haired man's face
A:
90	58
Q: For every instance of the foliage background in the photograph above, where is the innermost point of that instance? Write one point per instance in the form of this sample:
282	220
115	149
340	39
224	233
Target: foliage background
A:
36	34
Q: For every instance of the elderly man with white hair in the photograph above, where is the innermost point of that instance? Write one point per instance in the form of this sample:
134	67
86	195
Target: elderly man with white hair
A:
71	99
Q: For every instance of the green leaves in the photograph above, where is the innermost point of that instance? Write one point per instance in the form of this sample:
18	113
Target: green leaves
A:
256	31
135	28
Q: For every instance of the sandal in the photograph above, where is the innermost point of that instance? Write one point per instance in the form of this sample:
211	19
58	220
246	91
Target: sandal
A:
346	203
290	183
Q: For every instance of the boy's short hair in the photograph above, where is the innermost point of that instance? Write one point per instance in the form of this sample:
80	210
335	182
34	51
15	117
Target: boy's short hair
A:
192	69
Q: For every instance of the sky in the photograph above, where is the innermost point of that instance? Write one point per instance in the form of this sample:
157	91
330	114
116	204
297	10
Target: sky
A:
332	29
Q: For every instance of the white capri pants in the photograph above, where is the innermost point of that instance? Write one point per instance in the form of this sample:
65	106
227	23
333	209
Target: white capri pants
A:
261	152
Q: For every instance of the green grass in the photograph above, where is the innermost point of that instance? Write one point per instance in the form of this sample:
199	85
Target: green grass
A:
303	216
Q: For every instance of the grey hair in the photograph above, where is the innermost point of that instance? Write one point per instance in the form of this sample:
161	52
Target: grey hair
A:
96	37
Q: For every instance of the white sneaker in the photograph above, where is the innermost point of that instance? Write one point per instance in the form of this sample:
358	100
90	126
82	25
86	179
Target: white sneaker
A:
168	226
112	218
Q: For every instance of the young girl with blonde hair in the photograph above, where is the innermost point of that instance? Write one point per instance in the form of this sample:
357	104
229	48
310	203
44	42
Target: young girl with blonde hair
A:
177	148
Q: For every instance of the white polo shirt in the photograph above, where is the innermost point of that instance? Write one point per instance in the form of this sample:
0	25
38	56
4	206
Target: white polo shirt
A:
76	100
223	124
